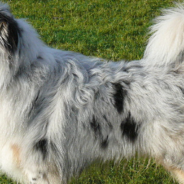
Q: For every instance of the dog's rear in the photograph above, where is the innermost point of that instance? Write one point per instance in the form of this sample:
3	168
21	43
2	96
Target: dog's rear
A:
164	56
61	110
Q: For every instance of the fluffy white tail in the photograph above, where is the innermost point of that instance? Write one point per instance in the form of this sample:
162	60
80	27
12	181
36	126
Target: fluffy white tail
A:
167	40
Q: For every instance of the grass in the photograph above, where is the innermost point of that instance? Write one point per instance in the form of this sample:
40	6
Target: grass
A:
112	29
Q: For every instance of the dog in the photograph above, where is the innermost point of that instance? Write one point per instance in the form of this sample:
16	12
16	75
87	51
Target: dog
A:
61	110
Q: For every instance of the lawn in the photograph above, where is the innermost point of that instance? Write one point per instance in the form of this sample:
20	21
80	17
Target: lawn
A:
112	29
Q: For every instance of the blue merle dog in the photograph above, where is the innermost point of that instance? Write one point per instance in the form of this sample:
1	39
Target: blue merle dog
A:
60	110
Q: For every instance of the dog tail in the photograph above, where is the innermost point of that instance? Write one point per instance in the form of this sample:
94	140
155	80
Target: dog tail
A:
167	40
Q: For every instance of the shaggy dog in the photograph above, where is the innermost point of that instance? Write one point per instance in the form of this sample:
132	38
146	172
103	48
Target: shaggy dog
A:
60	110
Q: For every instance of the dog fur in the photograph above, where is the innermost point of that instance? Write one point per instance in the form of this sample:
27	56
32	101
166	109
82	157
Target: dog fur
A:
62	110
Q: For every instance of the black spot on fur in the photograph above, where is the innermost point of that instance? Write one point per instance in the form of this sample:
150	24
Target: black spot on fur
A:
39	57
9	41
42	146
119	97
129	128
104	143
108	122
95	126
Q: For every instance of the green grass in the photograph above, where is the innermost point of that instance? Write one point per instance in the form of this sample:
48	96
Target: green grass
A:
112	29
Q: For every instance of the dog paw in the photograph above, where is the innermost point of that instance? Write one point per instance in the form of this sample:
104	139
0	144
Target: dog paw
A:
37	178
38	181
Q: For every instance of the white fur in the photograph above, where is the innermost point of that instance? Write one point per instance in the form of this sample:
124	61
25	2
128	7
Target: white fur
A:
167	40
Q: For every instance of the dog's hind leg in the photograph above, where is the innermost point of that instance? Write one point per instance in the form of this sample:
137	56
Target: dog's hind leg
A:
178	174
